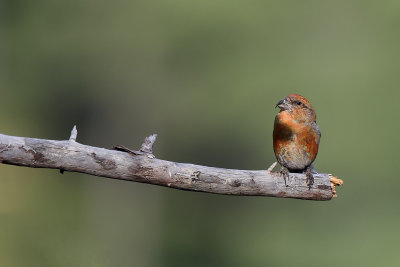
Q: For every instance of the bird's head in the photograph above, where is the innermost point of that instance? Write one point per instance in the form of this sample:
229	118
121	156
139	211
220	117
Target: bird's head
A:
298	107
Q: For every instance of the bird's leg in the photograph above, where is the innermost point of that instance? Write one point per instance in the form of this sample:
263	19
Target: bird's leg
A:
285	173
310	178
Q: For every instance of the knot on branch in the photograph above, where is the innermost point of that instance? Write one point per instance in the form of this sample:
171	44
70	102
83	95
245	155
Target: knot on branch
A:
233	182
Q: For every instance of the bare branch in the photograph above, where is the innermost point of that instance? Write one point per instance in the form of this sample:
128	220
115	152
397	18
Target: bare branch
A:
141	166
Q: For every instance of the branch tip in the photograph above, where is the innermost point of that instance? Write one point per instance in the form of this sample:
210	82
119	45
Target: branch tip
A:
74	134
335	182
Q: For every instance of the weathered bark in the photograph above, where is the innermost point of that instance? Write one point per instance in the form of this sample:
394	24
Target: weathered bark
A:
141	166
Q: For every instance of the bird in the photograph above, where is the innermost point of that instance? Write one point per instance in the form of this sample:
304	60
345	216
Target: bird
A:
296	136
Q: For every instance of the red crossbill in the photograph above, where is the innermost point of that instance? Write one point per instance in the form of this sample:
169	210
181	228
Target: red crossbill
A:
296	136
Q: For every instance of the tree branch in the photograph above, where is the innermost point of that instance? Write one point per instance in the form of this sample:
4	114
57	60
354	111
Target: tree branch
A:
141	166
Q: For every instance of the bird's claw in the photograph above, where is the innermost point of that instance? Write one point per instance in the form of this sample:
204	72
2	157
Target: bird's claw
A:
285	174
310	178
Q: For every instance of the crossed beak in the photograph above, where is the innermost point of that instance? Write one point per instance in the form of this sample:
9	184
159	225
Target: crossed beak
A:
283	104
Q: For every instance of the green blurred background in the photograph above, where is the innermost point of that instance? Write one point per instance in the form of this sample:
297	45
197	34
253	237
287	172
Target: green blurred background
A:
205	76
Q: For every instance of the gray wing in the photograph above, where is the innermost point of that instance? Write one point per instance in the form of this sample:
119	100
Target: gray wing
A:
315	127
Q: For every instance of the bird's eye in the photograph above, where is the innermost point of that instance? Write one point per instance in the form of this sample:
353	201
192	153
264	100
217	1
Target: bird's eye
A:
297	103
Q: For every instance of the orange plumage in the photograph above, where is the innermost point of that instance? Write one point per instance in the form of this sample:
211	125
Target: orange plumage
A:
296	134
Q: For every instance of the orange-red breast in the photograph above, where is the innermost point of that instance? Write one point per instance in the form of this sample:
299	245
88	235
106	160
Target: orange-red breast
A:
296	135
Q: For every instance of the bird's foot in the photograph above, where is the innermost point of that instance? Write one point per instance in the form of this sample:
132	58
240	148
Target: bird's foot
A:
285	173
335	181
310	178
